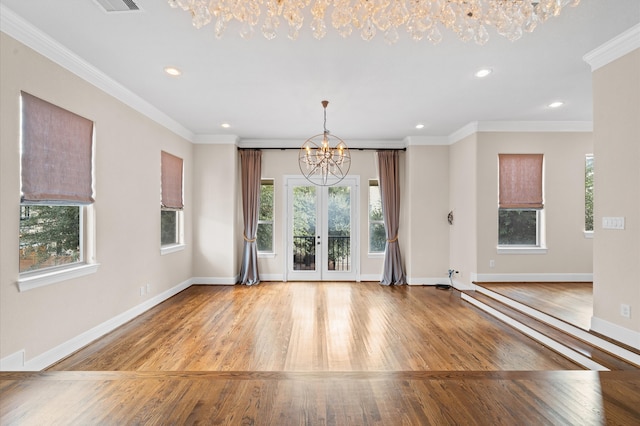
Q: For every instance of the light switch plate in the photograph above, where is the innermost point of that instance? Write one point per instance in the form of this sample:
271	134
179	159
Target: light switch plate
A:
613	223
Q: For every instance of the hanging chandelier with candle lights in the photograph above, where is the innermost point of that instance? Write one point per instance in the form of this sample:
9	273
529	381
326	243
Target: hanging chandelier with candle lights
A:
324	159
469	19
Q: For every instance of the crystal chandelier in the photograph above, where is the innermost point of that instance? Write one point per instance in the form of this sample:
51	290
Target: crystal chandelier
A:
469	19
321	163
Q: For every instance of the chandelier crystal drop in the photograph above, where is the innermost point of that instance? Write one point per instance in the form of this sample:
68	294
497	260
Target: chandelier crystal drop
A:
469	19
324	159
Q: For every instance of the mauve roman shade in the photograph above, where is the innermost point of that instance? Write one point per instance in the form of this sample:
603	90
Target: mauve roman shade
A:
57	149
520	181
171	181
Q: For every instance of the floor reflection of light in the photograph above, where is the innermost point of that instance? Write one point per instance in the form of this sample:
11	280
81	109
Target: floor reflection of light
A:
302	351
340	333
375	340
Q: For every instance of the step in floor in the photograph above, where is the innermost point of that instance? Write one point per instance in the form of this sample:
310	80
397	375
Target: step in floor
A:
581	346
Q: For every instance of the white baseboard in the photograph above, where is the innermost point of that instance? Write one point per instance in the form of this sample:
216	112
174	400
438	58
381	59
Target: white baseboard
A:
523	278
18	361
13	362
370	277
616	332
271	277
427	281
215	280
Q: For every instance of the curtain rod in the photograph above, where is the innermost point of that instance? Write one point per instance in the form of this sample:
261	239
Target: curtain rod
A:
350	149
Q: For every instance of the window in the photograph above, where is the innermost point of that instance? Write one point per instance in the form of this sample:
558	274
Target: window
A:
56	217
171	205
265	217
588	193
49	236
520	205
377	234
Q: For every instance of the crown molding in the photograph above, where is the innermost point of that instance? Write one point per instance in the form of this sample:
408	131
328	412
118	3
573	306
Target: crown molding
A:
614	48
426	140
535	126
463	132
353	144
15	26
216	140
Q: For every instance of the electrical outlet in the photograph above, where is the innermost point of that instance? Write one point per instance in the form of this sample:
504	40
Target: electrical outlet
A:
625	310
142	291
148	288
492	263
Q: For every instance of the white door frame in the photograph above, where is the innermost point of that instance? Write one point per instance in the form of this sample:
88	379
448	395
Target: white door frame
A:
321	273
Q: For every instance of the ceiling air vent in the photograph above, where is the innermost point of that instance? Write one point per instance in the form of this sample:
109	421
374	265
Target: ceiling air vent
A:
118	5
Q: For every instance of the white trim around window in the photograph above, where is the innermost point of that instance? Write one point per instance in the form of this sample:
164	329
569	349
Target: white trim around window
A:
52	276
521	250
32	280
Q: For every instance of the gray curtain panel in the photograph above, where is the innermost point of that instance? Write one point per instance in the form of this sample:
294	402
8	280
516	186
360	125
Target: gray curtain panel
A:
389	174
251	169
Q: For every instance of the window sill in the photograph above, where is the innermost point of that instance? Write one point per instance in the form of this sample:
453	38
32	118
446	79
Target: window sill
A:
172	248
521	250
266	254
379	255
588	234
40	279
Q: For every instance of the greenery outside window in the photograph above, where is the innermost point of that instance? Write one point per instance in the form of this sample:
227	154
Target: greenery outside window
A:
50	236
265	217
170	227
588	193
377	234
518	227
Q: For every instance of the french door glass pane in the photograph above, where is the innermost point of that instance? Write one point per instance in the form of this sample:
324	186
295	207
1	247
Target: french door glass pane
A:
339	230
304	228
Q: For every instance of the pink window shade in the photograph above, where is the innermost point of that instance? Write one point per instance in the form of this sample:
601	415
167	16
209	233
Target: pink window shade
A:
171	181
56	154
521	181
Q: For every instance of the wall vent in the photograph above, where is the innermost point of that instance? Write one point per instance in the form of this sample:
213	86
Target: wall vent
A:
118	5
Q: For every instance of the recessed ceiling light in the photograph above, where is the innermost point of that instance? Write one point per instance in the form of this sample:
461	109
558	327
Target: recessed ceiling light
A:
483	72
225	125
420	126
556	104
172	71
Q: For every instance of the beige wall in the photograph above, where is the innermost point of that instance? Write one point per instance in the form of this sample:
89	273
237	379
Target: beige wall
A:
616	88
217	216
127	184
569	252
424	229
463	234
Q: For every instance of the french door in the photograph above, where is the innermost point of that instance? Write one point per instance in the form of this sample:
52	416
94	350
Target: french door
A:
321	230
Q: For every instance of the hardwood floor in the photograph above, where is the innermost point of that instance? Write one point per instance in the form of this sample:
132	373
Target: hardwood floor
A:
317	353
313	326
570	302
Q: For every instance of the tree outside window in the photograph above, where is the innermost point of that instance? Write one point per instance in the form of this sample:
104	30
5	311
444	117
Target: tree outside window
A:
588	193
265	217
49	236
377	234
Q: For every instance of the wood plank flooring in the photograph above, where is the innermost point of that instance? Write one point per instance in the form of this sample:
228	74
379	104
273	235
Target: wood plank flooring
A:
321	398
569	302
312	326
317	354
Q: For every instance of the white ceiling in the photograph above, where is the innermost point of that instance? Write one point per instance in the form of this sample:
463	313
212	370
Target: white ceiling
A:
272	90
